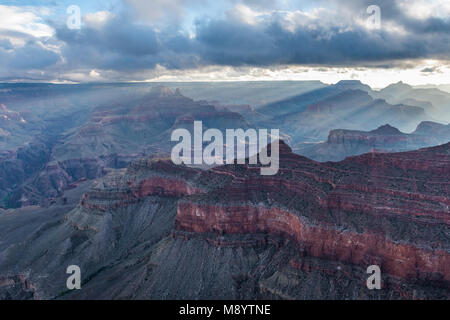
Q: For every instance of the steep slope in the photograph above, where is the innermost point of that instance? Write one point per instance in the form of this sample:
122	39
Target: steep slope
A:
140	124
93	127
343	143
299	102
308	117
112	137
436	102
256	93
352	109
156	230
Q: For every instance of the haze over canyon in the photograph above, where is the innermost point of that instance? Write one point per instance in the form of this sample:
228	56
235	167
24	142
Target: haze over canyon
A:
232	150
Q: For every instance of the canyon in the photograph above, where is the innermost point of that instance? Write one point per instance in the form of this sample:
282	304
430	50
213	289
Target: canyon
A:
58	135
342	143
92	184
309	231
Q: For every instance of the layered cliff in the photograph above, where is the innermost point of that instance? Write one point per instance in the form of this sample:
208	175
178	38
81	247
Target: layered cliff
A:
86	146
366	210
342	143
157	230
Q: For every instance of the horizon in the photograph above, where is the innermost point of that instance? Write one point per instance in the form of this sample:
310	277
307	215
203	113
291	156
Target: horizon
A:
128	41
437	86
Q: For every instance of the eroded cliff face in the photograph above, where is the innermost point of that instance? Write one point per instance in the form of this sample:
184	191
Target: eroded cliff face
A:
391	210
342	143
87	144
157	230
44	184
402	260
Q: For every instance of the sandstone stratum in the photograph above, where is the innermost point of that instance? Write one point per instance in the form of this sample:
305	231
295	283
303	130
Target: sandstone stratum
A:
157	230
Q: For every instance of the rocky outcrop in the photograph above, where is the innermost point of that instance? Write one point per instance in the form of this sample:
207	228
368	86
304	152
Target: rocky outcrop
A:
108	137
433	100
328	221
17	287
354	217
43	185
138	126
308	118
154	230
343	143
229	232
406	261
17	166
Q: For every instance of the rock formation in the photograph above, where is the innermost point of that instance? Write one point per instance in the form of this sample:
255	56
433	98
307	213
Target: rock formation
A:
342	143
157	230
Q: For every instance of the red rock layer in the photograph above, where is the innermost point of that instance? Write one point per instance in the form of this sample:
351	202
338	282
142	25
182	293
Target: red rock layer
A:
392	210
402	260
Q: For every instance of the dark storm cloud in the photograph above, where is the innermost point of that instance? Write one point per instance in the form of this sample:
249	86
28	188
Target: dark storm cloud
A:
333	38
229	43
30	56
391	11
122	45
338	41
117	44
429	26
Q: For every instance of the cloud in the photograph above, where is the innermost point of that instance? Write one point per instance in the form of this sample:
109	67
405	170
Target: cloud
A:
431	70
98	19
5	44
183	35
25	48
119	44
162	11
22	22
30	56
268	39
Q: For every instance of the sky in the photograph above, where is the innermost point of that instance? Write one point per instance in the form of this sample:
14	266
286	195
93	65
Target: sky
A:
376	41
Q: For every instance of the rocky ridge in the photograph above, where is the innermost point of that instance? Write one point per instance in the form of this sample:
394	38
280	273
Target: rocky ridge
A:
342	143
166	231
